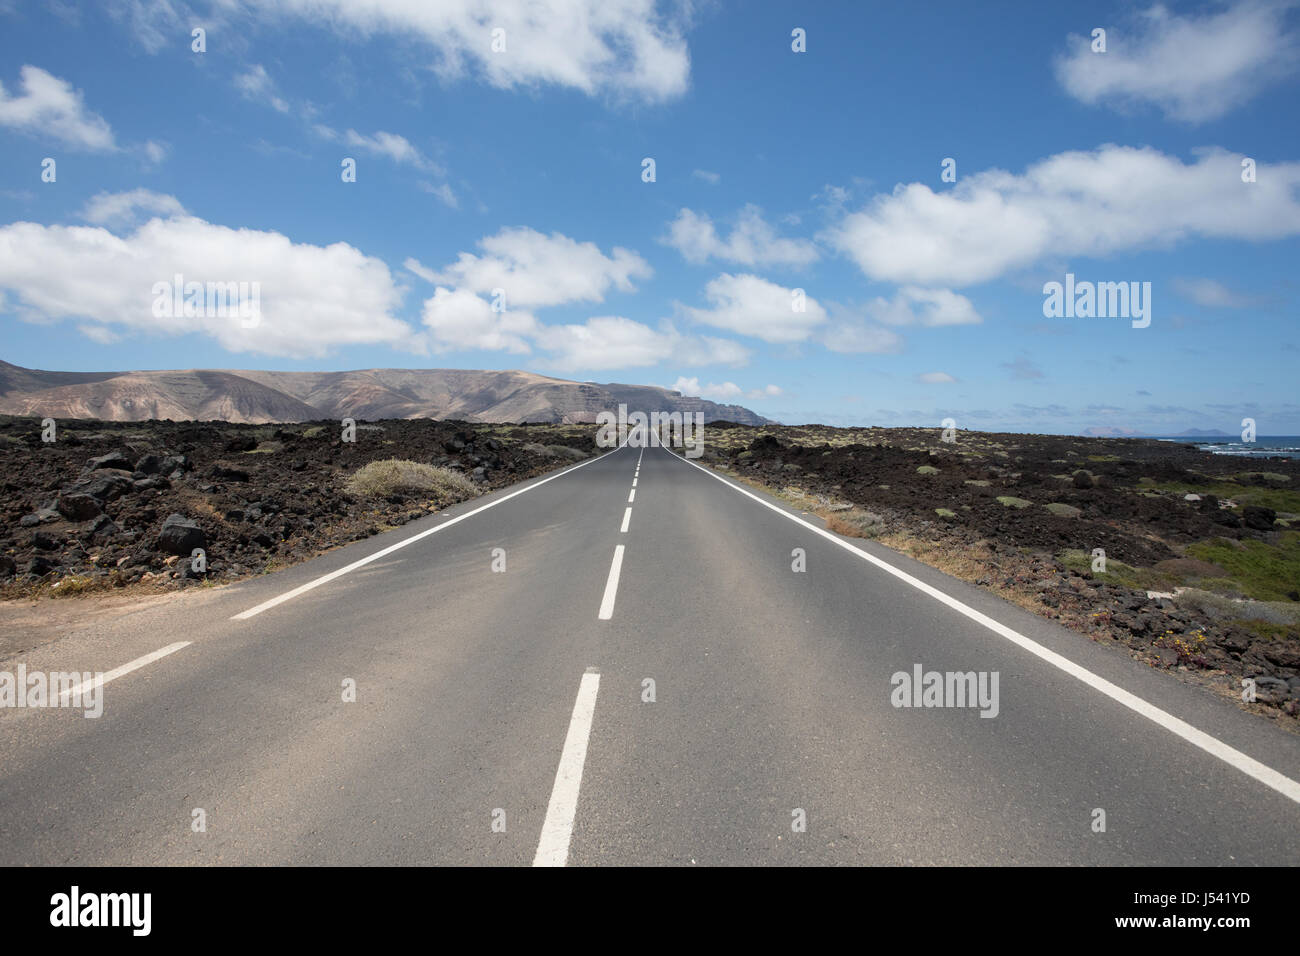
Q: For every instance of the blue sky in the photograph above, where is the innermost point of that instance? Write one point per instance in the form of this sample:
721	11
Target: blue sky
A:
522	170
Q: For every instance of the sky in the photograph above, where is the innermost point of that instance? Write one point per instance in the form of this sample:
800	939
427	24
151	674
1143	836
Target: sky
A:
847	213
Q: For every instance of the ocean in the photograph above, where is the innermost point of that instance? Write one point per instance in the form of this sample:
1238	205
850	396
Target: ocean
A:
1264	446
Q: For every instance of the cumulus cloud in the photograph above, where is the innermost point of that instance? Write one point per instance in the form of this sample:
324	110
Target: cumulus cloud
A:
312	298
1195	68
724	391
49	107
624	48
537	270
721	392
617	342
458	319
118	208
753	306
752	242
935	378
1098	203
916	306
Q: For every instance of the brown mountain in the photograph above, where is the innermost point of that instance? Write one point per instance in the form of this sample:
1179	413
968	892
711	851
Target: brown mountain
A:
237	395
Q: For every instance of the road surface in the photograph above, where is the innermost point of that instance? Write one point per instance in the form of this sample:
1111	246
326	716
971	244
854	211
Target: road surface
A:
505	716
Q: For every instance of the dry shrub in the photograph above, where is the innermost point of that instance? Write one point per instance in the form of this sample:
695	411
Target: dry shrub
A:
395	476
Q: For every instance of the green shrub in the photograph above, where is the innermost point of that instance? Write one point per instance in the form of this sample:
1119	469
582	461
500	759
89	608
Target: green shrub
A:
1263	571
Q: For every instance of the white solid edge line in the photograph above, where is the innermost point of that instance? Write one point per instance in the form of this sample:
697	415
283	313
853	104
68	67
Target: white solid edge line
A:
611	585
1198	738
326	578
117	672
627	516
557	829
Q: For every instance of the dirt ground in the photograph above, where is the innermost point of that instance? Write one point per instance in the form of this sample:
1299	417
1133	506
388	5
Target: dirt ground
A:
111	505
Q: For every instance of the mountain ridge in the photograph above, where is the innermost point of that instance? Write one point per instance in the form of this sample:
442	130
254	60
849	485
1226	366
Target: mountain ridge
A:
254	396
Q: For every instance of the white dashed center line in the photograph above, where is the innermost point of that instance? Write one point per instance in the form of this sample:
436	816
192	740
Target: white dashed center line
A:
557	829
611	585
117	672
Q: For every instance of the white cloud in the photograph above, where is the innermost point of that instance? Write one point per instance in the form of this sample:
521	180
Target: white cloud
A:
935	378
831	197
1097	203
752	242
391	145
458	319
625	48
721	392
1208	293
313	298
256	84
617	342
98	333
50	107
709	177
155	152
414	267
155	24
120	208
753	306
536	270
916	306
859	337
1195	68
707	350
724	391
443	193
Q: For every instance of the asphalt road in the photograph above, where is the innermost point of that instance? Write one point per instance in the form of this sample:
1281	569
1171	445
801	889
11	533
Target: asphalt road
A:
504	716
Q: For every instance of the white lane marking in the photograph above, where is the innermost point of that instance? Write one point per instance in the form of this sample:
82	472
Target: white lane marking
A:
627	516
117	672
1197	738
631	496
326	578
557	829
634	482
611	585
